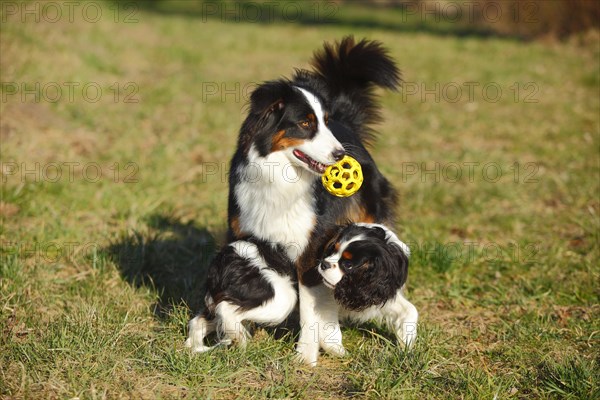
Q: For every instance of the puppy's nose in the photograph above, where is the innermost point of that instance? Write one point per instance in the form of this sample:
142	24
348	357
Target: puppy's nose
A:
325	265
338	154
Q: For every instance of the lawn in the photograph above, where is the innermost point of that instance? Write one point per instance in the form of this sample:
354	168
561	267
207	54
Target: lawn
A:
117	125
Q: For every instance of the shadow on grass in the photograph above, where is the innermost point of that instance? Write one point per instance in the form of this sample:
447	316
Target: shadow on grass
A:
172	259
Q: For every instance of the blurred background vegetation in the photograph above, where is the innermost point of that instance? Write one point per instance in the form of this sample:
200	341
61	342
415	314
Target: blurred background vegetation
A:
526	19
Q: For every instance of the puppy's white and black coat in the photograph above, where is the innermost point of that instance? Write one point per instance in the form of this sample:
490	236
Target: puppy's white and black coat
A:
294	129
249	280
366	265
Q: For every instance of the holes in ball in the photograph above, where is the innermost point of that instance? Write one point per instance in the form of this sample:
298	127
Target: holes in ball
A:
343	179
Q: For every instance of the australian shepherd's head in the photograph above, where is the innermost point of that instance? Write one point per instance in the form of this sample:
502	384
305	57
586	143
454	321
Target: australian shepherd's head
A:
292	120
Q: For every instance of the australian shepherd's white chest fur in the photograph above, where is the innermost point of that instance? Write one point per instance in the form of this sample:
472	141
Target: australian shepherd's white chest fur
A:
272	206
276	190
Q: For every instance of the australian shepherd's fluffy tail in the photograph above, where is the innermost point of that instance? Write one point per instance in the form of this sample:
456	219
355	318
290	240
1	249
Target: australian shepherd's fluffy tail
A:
351	71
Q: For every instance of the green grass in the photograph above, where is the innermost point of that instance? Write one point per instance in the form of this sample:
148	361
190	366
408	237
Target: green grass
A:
99	274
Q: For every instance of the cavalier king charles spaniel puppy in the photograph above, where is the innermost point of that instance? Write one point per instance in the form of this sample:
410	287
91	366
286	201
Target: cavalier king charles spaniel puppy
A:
249	280
366	266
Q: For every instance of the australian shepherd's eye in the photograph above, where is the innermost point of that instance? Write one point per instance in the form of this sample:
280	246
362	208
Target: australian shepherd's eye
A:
326	118
305	124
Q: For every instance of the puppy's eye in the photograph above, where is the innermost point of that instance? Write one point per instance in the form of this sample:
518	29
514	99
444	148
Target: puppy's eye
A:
346	264
326	118
305	124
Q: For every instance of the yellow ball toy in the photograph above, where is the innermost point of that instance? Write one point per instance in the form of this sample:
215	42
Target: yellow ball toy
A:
343	178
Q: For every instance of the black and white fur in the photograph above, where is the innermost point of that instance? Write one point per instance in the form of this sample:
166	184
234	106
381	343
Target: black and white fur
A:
249	280
252	280
366	265
293	130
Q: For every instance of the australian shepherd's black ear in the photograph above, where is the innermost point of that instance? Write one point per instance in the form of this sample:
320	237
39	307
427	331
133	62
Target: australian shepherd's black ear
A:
269	97
267	103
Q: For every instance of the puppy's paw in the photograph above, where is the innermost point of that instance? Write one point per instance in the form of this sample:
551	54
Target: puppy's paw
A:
307	354
197	347
336	350
407	334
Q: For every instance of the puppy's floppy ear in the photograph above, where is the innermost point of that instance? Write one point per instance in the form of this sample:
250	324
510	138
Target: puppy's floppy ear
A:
399	261
366	287
384	276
